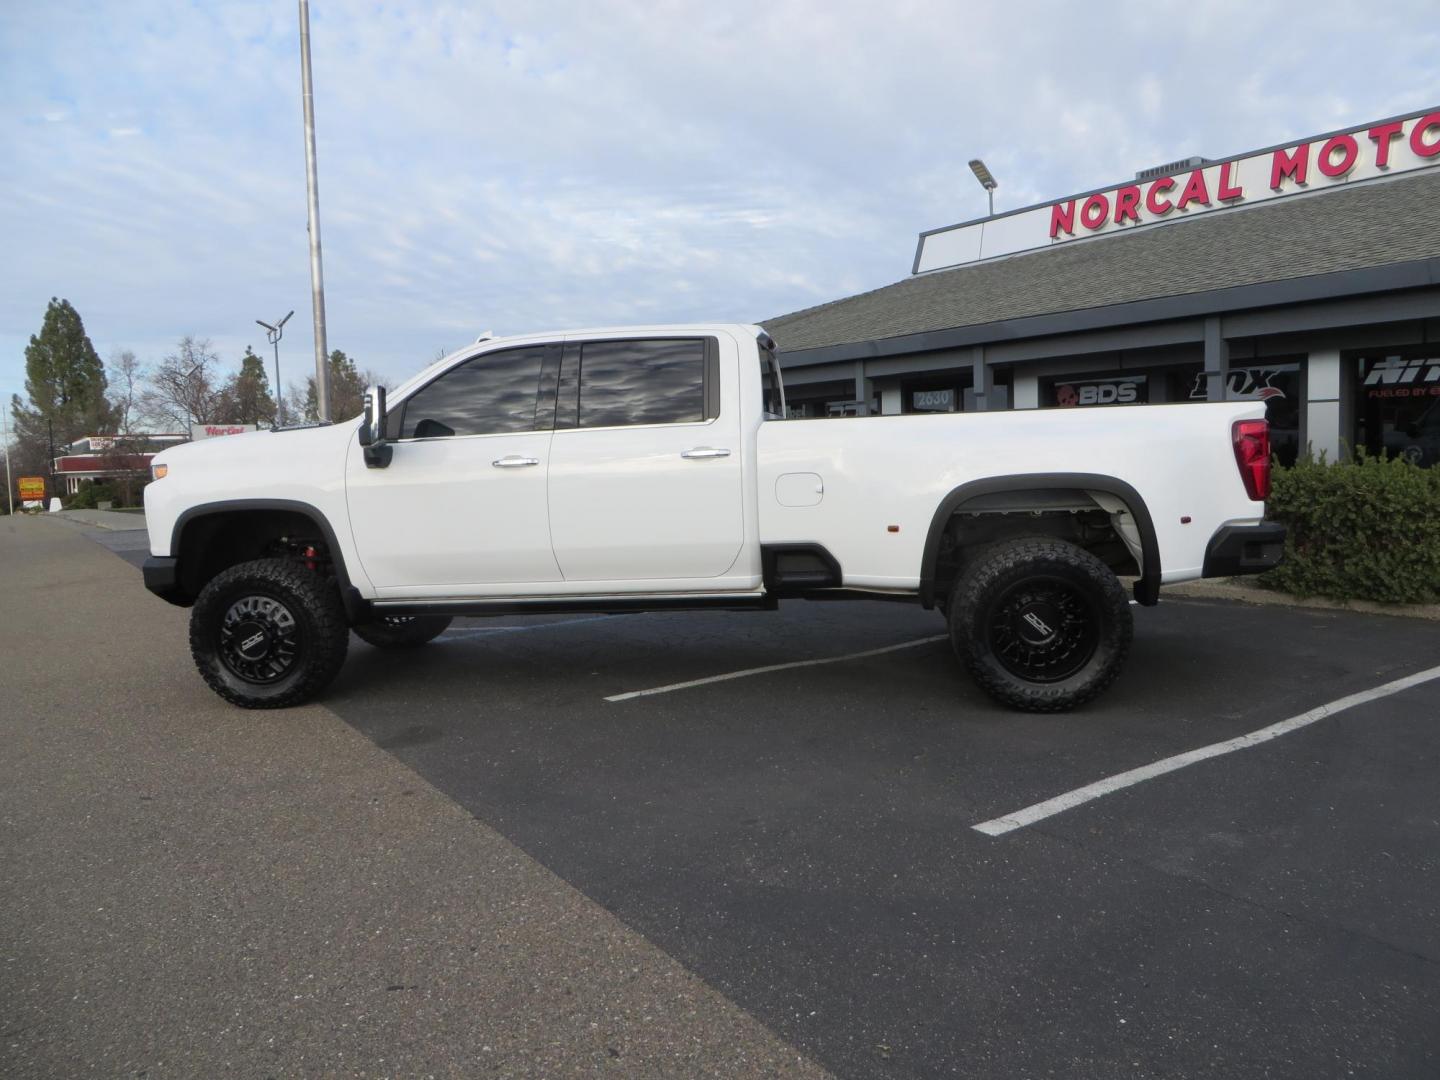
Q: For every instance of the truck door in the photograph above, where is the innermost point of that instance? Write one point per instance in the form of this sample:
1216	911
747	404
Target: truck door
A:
645	464
462	503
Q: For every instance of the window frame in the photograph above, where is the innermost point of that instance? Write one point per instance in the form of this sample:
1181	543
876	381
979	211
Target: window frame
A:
545	388
566	414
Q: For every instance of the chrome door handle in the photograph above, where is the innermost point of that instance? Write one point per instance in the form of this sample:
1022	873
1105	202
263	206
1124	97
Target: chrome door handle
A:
514	461
705	452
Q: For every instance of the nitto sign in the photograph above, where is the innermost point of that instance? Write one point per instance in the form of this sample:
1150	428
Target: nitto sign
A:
1397	377
1366	152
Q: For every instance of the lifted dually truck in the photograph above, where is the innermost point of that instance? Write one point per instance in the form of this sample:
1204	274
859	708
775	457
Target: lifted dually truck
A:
650	468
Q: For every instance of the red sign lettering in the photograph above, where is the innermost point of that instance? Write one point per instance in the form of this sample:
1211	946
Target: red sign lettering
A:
1195	191
1159	207
1228	191
1062	216
1292	164
1095	211
1127	202
1349	151
1382	135
1417	136
1335	159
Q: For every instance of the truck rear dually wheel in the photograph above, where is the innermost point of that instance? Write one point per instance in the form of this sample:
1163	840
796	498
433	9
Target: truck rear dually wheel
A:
268	634
1042	625
401	631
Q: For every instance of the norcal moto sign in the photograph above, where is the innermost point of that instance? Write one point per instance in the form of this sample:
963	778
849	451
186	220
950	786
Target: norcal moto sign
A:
1196	186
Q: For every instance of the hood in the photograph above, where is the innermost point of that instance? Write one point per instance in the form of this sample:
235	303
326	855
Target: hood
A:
256	445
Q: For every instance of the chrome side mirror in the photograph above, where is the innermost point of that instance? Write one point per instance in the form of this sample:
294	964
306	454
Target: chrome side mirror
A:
372	429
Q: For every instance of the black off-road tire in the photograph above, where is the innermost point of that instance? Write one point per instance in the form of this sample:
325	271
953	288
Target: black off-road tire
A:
268	634
1042	625
401	631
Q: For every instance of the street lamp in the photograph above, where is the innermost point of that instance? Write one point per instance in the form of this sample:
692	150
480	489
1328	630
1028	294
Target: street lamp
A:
273	334
987	181
190	398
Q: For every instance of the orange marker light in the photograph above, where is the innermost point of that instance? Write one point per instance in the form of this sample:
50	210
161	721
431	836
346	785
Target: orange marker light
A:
892	528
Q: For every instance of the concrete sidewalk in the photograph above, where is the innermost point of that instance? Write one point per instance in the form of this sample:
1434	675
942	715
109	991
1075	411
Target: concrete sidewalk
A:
195	890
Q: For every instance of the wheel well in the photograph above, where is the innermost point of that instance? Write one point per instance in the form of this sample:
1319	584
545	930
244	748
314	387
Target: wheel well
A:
1100	523
211	544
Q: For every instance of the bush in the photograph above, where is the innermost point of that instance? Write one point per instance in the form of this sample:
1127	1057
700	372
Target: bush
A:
89	495
1364	529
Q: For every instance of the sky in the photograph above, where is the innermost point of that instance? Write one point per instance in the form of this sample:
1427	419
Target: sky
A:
526	166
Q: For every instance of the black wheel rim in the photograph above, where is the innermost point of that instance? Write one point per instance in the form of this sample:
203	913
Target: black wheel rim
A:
259	640
1043	630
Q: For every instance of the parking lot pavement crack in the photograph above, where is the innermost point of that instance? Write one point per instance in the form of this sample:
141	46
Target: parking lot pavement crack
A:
1327	925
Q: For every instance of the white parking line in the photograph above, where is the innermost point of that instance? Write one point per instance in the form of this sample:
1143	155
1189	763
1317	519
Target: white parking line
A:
773	667
1071	799
486	631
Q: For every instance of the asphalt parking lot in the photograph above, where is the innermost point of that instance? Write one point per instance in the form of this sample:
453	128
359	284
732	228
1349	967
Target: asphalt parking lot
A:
803	839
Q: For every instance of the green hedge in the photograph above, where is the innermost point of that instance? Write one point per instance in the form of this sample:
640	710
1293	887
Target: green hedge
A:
1363	529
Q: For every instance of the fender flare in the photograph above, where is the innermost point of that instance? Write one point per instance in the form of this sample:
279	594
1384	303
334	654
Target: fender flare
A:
354	603
1147	589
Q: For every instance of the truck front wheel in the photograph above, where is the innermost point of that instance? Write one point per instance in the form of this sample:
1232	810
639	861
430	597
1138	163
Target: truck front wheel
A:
1042	625
268	634
401	631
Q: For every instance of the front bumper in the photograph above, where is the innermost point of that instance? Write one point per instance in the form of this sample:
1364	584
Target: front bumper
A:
162	578
1244	549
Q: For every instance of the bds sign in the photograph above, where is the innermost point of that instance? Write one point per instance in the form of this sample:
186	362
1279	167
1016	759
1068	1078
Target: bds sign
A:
32	487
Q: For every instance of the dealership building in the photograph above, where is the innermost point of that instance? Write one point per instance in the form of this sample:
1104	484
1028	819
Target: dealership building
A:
1306	275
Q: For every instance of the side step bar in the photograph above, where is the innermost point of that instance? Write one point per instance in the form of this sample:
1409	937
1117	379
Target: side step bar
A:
617	604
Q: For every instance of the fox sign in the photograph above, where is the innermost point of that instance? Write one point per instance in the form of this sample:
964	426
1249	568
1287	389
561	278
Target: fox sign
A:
1367	152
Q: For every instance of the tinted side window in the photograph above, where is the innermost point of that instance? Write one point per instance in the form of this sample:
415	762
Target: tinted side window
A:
642	382
492	393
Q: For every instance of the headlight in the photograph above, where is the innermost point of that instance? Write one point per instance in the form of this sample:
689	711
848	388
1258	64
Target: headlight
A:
159	472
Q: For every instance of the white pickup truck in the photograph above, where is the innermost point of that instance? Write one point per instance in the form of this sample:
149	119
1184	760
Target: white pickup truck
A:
652	468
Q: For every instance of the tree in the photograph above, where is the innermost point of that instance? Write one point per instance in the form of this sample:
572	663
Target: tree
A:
121	455
65	382
294	404
246	397
347	390
126	389
182	389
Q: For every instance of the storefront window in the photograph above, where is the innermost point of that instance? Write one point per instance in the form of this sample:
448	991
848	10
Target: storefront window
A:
932	395
1079	393
1276	383
1397	405
945	400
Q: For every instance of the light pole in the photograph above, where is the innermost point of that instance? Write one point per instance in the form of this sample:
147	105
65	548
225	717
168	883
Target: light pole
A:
273	334
190	399
312	188
9	481
987	181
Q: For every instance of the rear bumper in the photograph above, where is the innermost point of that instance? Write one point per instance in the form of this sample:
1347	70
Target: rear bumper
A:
1244	549
163	579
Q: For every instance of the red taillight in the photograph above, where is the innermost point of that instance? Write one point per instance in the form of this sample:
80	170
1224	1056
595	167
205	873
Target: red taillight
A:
1252	454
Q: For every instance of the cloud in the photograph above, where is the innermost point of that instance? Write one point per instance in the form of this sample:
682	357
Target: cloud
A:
530	165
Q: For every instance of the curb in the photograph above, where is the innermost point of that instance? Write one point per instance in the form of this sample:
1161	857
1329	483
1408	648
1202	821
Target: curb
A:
101	519
1234	589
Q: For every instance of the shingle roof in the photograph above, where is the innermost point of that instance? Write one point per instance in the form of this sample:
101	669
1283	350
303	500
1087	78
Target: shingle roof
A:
1370	224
